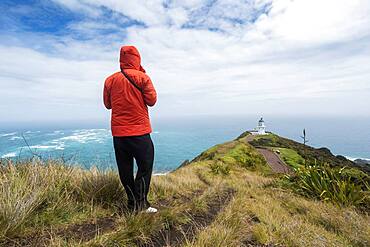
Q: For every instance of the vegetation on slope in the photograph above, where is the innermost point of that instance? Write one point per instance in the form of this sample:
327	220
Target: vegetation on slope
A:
227	196
311	155
291	157
318	173
331	184
236	153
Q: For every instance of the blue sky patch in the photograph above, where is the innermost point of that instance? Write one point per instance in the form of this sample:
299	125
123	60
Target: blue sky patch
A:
35	16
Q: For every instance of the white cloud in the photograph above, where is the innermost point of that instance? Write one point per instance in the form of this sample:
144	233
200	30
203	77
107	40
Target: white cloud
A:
319	21
149	12
81	6
300	57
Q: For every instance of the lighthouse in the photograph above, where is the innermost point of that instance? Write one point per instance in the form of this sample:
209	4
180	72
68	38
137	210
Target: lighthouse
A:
261	127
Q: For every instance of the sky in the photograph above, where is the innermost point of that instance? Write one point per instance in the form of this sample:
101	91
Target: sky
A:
218	57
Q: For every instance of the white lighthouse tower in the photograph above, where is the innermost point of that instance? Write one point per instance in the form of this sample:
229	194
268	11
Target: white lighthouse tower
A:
260	129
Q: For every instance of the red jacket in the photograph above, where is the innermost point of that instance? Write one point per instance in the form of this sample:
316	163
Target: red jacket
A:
129	105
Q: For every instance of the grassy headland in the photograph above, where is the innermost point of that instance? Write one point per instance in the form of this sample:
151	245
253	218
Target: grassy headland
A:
227	196
311	155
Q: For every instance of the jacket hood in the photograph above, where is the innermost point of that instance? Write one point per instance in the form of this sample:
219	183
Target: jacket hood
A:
130	58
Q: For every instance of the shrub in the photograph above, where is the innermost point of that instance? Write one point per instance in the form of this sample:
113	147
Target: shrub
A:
219	167
244	134
246	157
356	175
330	184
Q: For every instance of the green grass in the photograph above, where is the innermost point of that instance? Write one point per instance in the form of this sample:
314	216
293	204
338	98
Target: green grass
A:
247	157
310	154
291	157
271	138
219	167
330	184
236	153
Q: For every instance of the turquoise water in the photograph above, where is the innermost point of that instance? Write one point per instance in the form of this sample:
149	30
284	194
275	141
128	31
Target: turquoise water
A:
178	140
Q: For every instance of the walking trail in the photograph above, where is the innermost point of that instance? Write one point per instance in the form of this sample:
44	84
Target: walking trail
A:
273	160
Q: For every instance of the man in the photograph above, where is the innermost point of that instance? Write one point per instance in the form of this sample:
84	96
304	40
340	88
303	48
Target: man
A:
129	93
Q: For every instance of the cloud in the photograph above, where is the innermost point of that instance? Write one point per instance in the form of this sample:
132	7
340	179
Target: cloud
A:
80	6
205	57
315	21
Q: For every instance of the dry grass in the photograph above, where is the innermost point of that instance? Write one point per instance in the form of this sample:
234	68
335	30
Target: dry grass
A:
25	188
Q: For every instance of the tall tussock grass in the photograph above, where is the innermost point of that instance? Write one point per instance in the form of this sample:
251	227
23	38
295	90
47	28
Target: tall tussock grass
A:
40	192
339	186
102	187
26	188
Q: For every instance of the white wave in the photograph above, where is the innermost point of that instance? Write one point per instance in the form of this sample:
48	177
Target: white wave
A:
59	145
13	138
43	147
355	158
155	132
9	155
32	131
87	135
82	138
8	134
55	132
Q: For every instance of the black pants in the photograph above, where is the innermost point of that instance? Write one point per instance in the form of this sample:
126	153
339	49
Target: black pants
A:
141	149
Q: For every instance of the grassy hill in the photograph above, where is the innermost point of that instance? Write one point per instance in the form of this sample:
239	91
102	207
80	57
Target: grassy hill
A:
227	196
296	150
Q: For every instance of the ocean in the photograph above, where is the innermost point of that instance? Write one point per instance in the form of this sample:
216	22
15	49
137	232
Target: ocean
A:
179	139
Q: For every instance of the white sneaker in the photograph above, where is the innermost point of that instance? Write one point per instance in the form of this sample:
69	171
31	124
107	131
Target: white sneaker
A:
151	210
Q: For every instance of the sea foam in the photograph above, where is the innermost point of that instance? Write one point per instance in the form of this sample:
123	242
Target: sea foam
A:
8	134
9	155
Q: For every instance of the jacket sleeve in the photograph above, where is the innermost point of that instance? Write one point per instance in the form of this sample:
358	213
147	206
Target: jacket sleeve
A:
106	96
149	93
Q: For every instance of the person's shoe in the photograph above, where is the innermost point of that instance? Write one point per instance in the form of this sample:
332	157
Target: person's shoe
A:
151	210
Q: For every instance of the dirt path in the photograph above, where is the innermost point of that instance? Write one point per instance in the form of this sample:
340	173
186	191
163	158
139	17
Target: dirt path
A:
176	236
82	232
273	159
88	230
